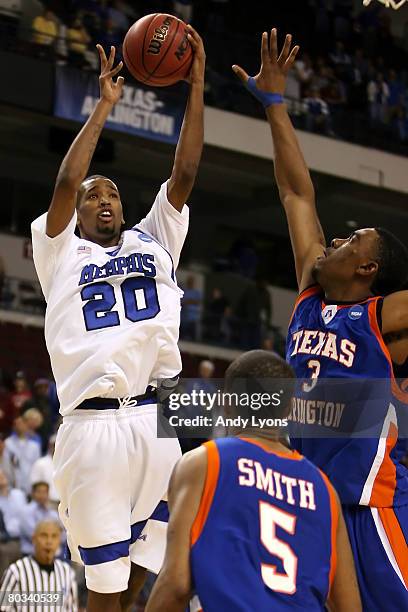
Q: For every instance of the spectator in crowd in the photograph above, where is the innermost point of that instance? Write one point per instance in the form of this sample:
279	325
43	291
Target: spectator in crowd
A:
111	36
317	113
21	392
191	310
396	89
36	511
184	10
12	504
378	94
45	32
248	317
42	571
43	471
33	419
203	383
304	71
8	413
78	40
5	465
118	16
41	400
218	318
21	453
340	59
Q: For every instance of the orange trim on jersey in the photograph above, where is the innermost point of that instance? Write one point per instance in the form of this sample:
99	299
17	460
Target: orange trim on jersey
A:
294	455
340	306
372	317
211	480
382	494
303	296
334	510
396	538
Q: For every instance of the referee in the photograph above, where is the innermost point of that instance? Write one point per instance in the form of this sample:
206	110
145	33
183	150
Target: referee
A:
25	580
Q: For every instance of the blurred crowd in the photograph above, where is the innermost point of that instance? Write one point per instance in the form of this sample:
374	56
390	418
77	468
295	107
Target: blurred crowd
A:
350	80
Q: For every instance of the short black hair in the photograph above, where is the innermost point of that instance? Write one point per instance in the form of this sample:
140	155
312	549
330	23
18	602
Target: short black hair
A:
392	272
82	187
258	372
40	483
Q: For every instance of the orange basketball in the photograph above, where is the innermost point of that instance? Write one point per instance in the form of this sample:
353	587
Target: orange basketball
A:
156	50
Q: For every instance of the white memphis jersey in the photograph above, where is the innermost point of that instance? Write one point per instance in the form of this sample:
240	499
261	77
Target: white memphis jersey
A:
113	314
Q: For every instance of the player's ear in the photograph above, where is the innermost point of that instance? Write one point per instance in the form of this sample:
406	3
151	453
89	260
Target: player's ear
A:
368	269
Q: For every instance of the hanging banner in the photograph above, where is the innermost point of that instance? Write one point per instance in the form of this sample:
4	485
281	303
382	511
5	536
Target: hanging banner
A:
154	113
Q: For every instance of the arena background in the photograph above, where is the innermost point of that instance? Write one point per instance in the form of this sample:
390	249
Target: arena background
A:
348	97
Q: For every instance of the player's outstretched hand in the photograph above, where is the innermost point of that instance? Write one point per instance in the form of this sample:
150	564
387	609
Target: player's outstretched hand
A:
198	67
274	69
110	90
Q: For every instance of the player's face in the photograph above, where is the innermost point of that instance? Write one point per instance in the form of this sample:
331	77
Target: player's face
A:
348	257
100	214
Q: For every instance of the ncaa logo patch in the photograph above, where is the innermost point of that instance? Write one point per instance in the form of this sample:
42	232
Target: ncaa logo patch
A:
145	237
355	312
328	313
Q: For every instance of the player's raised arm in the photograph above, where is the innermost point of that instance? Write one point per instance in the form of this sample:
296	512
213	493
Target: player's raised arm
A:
172	589
344	594
190	144
75	164
292	175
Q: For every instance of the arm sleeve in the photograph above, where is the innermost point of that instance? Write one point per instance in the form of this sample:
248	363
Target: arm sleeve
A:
47	251
166	224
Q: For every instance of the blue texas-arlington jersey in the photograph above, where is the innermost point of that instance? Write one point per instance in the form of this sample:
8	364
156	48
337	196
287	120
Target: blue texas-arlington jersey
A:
264	535
348	407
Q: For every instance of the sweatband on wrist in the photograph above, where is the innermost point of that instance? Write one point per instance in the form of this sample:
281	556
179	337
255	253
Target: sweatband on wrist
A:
264	97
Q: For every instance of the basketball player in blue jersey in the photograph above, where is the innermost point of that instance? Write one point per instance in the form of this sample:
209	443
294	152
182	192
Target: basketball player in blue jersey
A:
254	526
111	328
350	323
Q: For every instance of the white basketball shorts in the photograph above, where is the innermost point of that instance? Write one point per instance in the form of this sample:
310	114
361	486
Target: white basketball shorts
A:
112	474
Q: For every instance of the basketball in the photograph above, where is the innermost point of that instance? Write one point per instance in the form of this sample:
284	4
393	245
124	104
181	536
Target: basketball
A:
156	50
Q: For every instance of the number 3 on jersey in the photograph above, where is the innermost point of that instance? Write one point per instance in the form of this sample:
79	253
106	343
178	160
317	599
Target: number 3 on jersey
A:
140	302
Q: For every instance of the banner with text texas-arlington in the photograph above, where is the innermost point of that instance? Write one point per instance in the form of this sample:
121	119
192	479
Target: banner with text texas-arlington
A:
151	113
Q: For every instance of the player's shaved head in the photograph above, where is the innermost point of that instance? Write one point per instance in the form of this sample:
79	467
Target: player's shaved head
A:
262	372
88	183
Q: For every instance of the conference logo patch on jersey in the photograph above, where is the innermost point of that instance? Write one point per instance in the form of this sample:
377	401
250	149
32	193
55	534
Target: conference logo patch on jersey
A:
355	313
145	237
81	250
328	313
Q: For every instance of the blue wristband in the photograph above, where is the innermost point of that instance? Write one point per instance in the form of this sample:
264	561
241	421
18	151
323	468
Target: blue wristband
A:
266	99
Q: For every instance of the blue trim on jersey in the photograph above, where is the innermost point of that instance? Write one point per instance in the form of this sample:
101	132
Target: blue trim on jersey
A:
160	513
104	553
137	229
116	550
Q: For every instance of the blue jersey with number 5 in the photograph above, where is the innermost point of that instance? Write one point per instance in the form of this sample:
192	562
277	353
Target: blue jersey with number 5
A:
264	535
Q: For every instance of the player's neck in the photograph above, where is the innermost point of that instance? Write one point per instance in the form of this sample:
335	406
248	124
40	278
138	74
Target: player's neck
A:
351	293
105	243
269	439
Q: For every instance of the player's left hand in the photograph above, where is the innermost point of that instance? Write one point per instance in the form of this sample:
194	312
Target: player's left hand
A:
110	90
274	69
198	67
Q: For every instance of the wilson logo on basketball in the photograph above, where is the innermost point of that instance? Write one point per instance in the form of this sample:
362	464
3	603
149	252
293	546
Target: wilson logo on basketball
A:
182	48
159	37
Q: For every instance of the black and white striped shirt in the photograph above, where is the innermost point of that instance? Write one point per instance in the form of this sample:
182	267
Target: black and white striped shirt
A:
26	575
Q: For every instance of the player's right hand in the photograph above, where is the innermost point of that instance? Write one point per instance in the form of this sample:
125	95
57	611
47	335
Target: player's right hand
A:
272	75
110	90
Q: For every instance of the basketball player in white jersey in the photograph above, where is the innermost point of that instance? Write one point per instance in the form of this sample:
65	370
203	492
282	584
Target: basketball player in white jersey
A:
111	328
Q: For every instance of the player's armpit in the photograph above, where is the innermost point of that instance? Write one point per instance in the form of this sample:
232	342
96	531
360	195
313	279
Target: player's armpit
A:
172	589
344	594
